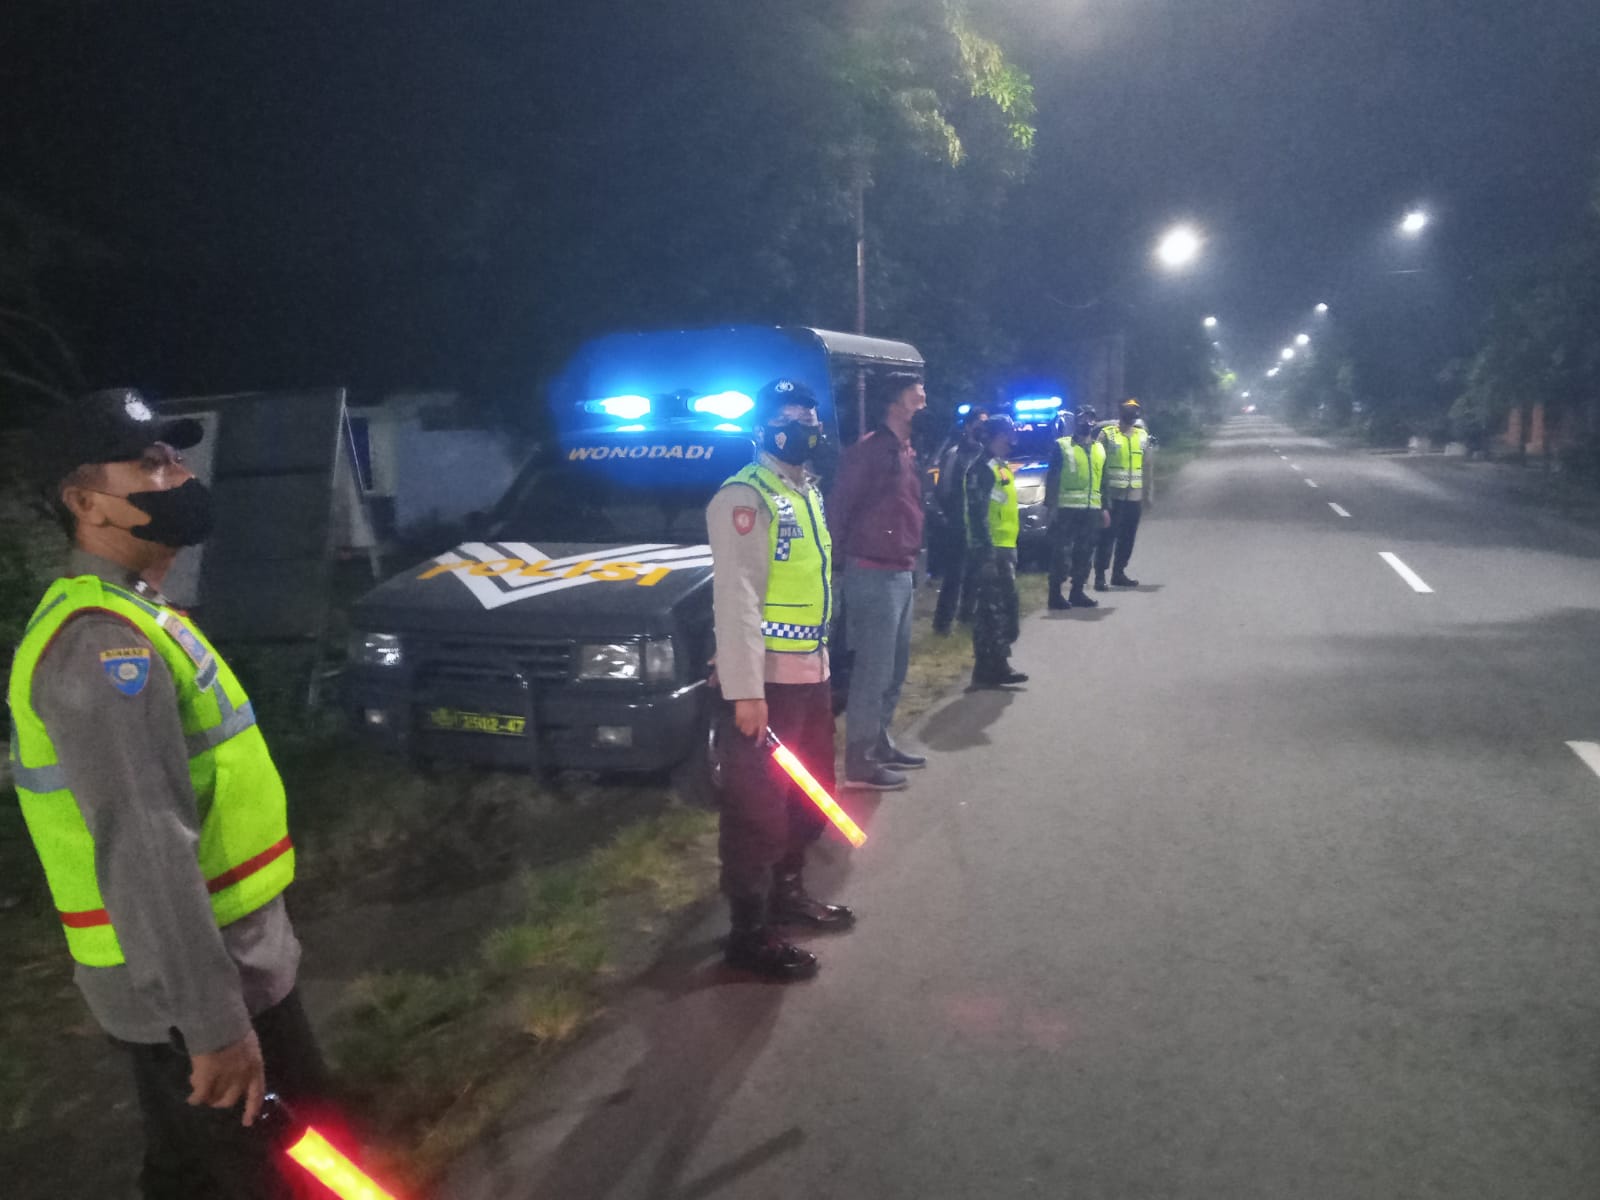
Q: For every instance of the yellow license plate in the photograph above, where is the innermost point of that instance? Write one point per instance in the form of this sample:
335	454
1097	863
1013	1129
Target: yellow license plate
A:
456	721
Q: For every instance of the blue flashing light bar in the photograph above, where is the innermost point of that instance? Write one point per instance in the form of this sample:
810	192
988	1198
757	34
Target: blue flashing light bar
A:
730	406
1038	404
627	408
726	427
629	429
963	410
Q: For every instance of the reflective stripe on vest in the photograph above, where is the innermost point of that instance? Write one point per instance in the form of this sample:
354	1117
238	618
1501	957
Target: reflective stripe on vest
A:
1081	470
1124	469
1005	521
800	577
244	853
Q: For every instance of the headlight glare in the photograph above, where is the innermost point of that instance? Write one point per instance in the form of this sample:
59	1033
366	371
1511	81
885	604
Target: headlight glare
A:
610	660
376	649
660	660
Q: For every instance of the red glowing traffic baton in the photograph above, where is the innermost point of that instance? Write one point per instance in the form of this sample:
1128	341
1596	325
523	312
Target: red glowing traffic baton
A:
321	1160
795	770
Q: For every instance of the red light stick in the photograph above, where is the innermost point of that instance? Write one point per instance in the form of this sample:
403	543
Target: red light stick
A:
320	1158
795	770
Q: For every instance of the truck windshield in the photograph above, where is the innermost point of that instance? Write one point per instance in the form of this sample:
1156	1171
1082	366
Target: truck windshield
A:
560	504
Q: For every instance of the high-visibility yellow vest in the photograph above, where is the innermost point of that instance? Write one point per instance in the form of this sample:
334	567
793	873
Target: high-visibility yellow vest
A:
1124	471
794	617
244	855
1004	519
1081	470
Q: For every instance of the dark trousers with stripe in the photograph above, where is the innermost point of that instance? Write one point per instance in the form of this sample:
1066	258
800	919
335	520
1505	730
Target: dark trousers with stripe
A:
767	822
201	1153
1116	540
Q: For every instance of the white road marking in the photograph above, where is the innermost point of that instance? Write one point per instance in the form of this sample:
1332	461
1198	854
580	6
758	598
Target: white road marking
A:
1294	467
1311	483
1337	509
1405	572
1589	752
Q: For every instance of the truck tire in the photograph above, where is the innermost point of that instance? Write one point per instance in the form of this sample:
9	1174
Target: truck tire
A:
697	780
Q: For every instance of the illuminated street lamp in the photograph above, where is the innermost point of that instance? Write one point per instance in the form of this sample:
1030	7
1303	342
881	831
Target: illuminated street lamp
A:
1322	310
1302	339
1288	353
1414	223
1211	322
1178	247
1273	374
1244	395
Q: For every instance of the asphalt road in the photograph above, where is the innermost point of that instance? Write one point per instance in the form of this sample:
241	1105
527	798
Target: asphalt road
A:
1279	880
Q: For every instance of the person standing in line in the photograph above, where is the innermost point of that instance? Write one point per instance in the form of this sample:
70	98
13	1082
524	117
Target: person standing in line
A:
1125	445
993	522
157	812
877	517
772	595
1072	495
957	588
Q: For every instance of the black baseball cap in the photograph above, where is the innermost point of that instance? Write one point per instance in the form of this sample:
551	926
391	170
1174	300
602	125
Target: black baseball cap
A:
777	395
114	425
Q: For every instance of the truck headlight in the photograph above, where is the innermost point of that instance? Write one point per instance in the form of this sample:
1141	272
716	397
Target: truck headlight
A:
610	660
660	660
376	649
1030	492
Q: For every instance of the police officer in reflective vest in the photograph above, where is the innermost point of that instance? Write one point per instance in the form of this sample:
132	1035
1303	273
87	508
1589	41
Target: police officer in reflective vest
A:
993	521
156	810
772	590
1125	445
1072	494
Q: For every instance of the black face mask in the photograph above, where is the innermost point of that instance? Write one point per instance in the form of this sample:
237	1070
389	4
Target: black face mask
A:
793	443
180	516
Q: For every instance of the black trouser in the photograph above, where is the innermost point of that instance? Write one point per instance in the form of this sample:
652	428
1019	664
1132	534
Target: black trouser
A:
996	623
954	590
1074	534
203	1153
1116	540
767	822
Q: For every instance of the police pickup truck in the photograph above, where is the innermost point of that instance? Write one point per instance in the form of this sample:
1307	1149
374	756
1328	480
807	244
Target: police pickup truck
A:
575	630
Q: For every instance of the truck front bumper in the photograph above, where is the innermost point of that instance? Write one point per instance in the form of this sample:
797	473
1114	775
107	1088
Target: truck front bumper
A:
574	728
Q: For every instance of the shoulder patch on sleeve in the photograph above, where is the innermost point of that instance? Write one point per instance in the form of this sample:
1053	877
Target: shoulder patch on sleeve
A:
128	668
744	520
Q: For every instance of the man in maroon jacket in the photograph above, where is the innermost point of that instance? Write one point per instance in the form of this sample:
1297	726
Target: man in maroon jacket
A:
875	514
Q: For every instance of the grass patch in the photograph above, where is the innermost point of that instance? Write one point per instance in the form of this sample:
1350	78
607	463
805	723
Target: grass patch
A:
574	941
554	1013
431	1059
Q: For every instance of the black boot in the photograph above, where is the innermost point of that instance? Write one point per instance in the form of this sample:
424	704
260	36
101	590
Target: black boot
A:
1058	601
791	905
1121	579
1081	599
993	676
755	948
1100	582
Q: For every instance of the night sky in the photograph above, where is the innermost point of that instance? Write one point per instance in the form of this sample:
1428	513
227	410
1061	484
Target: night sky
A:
254	176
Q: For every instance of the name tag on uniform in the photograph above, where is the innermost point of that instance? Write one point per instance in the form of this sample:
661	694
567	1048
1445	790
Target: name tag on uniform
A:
789	530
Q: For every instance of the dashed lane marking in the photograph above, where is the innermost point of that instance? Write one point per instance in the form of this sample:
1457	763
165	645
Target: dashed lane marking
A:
1311	483
1405	572
1295	467
1337	509
1589	752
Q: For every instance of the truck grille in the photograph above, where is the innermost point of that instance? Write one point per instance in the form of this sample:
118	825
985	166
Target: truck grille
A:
495	661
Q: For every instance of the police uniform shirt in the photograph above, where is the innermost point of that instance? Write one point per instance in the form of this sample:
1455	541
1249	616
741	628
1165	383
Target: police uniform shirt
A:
123	753
737	521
